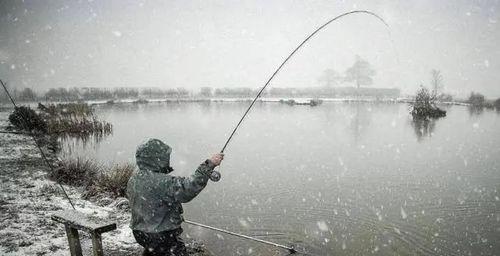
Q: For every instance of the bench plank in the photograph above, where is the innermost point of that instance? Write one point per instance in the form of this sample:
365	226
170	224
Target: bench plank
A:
80	221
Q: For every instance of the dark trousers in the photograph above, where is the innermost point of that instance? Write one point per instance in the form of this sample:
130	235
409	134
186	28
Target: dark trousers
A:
166	243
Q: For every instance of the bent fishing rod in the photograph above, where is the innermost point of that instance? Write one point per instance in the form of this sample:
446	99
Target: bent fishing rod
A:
215	176
32	135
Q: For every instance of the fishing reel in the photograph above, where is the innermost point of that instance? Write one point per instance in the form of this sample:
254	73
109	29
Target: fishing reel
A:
215	176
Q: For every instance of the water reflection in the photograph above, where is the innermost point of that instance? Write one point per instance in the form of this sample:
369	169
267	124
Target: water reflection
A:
423	127
77	141
475	110
360	120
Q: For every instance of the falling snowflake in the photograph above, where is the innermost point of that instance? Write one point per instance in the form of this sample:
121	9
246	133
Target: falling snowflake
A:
322	226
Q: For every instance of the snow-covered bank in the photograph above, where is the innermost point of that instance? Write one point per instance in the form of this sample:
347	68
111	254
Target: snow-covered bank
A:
28	199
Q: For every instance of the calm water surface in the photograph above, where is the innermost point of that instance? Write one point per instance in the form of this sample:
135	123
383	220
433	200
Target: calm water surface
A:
338	179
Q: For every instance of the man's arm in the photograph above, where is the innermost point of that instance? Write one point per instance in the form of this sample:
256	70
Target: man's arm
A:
187	188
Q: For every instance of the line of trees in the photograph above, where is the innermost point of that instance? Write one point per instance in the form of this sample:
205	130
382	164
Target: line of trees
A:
92	93
83	94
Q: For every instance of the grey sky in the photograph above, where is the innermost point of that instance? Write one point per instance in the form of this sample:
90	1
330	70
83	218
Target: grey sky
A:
239	43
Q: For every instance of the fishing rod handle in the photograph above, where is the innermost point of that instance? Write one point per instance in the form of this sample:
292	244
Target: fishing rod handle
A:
215	176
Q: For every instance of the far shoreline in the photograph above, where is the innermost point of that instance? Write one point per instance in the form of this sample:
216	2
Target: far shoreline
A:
403	100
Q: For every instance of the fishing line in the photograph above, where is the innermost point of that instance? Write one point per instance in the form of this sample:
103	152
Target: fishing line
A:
30	133
215	176
290	249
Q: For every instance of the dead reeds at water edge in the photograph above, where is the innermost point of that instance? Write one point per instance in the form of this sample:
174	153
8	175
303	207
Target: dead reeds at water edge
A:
73	118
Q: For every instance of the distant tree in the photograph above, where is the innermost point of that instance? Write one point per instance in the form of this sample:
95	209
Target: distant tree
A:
436	81
27	94
234	92
93	93
182	92
206	92
123	93
476	99
152	92
74	94
171	93
497	104
360	73
58	94
330	78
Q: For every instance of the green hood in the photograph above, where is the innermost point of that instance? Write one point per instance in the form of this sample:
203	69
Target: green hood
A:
154	156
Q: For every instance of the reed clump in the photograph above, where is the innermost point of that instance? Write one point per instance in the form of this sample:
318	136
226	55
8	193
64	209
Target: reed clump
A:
77	125
76	172
73	118
112	182
26	119
67	109
97	180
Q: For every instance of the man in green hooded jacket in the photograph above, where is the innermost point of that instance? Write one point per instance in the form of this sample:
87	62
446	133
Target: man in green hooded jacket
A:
156	197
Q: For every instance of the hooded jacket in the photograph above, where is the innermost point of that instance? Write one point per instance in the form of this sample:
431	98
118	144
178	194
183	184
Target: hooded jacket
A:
155	196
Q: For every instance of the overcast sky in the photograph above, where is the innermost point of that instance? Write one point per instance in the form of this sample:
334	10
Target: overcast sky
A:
239	43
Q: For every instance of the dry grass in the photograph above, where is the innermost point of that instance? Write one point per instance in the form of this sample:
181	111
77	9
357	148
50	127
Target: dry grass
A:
113	182
76	172
79	125
96	180
73	118
67	109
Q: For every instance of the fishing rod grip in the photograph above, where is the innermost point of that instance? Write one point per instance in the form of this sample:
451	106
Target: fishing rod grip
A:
215	176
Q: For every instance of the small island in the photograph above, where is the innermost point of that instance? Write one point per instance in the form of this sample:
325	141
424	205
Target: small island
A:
424	106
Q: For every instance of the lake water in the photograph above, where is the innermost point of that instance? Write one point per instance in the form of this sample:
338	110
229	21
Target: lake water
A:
338	179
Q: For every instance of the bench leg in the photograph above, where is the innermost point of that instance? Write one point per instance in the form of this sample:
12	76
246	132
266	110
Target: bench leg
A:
74	241
97	245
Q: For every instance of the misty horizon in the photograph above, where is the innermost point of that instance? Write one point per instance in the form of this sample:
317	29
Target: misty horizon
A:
195	44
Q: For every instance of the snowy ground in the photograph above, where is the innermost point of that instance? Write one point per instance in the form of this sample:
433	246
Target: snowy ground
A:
28	199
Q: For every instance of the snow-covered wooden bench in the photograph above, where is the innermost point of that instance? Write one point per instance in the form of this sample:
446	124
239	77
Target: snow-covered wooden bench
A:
74	221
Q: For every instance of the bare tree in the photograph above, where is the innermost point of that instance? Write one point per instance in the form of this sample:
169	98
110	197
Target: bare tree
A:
206	92
436	81
27	94
360	73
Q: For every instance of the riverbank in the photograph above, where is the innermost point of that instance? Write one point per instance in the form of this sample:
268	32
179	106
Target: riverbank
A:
28	199
281	100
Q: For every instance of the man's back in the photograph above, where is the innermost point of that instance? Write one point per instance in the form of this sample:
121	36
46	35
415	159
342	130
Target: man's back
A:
152	201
